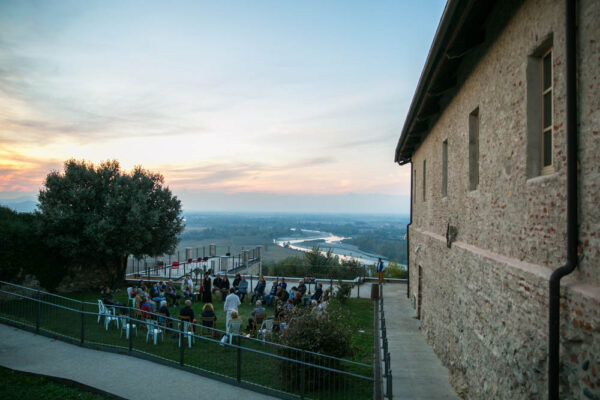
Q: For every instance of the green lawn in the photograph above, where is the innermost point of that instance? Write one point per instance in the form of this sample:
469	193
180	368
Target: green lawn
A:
206	354
18	385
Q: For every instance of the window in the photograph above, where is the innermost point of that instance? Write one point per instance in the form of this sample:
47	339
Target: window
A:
540	159
474	149
445	168
424	181
546	114
415	186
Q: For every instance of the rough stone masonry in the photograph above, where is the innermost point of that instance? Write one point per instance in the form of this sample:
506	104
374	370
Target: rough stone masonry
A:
484	301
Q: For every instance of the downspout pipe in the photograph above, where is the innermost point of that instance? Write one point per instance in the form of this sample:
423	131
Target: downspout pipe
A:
408	233
572	201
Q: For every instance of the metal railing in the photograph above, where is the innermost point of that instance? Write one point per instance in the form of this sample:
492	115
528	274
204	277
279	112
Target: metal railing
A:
258	365
387	370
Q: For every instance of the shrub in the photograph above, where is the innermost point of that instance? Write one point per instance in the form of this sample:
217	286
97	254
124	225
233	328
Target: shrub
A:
343	292
324	334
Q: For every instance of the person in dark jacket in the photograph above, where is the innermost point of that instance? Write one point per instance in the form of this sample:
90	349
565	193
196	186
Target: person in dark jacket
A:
208	312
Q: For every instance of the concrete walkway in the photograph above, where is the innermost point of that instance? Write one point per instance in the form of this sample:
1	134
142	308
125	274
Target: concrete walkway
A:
416	371
121	375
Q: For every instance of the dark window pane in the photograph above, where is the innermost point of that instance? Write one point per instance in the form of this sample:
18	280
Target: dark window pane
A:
547	148
547	71
547	109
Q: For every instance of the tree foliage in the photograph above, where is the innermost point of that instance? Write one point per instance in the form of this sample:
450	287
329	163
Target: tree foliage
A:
24	250
317	333
96	216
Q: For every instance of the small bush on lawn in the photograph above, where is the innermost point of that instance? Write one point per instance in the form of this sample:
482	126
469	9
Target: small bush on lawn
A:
343	292
323	333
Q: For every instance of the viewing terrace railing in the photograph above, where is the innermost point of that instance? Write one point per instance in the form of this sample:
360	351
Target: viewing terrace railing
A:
192	259
258	365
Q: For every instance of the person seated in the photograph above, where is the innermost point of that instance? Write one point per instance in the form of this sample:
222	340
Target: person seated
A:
269	297
236	281
283	284
258	310
282	294
187	311
197	292
234	318
187	293
324	300
301	287
225	285
293	292
318	293
216	284
138	298
279	310
187	281
208	312
165	317
297	298
108	300
259	290
242	289
171	293
288	306
155	293
146	308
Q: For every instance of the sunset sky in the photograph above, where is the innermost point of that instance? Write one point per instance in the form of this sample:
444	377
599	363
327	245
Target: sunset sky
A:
241	105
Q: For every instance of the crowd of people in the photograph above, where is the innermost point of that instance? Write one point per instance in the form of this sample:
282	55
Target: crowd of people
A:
153	299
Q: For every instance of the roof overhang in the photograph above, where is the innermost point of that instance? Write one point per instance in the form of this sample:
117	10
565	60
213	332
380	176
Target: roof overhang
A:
466	30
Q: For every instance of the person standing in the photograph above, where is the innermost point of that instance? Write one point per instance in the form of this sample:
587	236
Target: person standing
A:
231	304
380	269
206	289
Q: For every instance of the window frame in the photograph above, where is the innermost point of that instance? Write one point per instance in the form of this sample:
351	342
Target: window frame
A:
546	169
445	168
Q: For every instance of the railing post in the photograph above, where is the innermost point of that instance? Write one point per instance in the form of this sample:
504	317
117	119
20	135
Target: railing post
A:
389	393
38	312
302	377
239	358
130	330
181	343
82	321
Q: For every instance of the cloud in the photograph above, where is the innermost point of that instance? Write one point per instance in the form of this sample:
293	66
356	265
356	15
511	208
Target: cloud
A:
21	173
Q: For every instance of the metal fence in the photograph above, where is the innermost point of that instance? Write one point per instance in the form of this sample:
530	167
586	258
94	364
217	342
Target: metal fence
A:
258	365
387	370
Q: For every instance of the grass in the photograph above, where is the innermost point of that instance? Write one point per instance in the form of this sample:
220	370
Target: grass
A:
206	354
20	385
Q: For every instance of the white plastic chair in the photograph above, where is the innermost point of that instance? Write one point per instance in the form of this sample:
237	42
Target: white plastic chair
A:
154	330
108	314
266	328
187	331
131	299
127	327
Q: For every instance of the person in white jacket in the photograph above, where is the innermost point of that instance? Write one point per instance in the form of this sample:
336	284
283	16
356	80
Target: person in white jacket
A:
232	301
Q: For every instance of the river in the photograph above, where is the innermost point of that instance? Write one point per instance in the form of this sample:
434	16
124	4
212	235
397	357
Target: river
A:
344	251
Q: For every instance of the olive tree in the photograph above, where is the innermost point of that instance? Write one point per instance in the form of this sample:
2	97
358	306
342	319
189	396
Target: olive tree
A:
95	216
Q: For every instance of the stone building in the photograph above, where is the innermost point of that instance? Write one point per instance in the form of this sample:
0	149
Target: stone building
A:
486	136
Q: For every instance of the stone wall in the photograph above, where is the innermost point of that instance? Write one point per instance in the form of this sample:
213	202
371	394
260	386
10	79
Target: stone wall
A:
484	305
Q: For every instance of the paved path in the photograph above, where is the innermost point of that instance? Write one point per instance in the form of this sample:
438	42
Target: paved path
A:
416	371
125	376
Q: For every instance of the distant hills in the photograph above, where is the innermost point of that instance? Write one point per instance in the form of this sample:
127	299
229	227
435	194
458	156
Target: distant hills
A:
21	204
